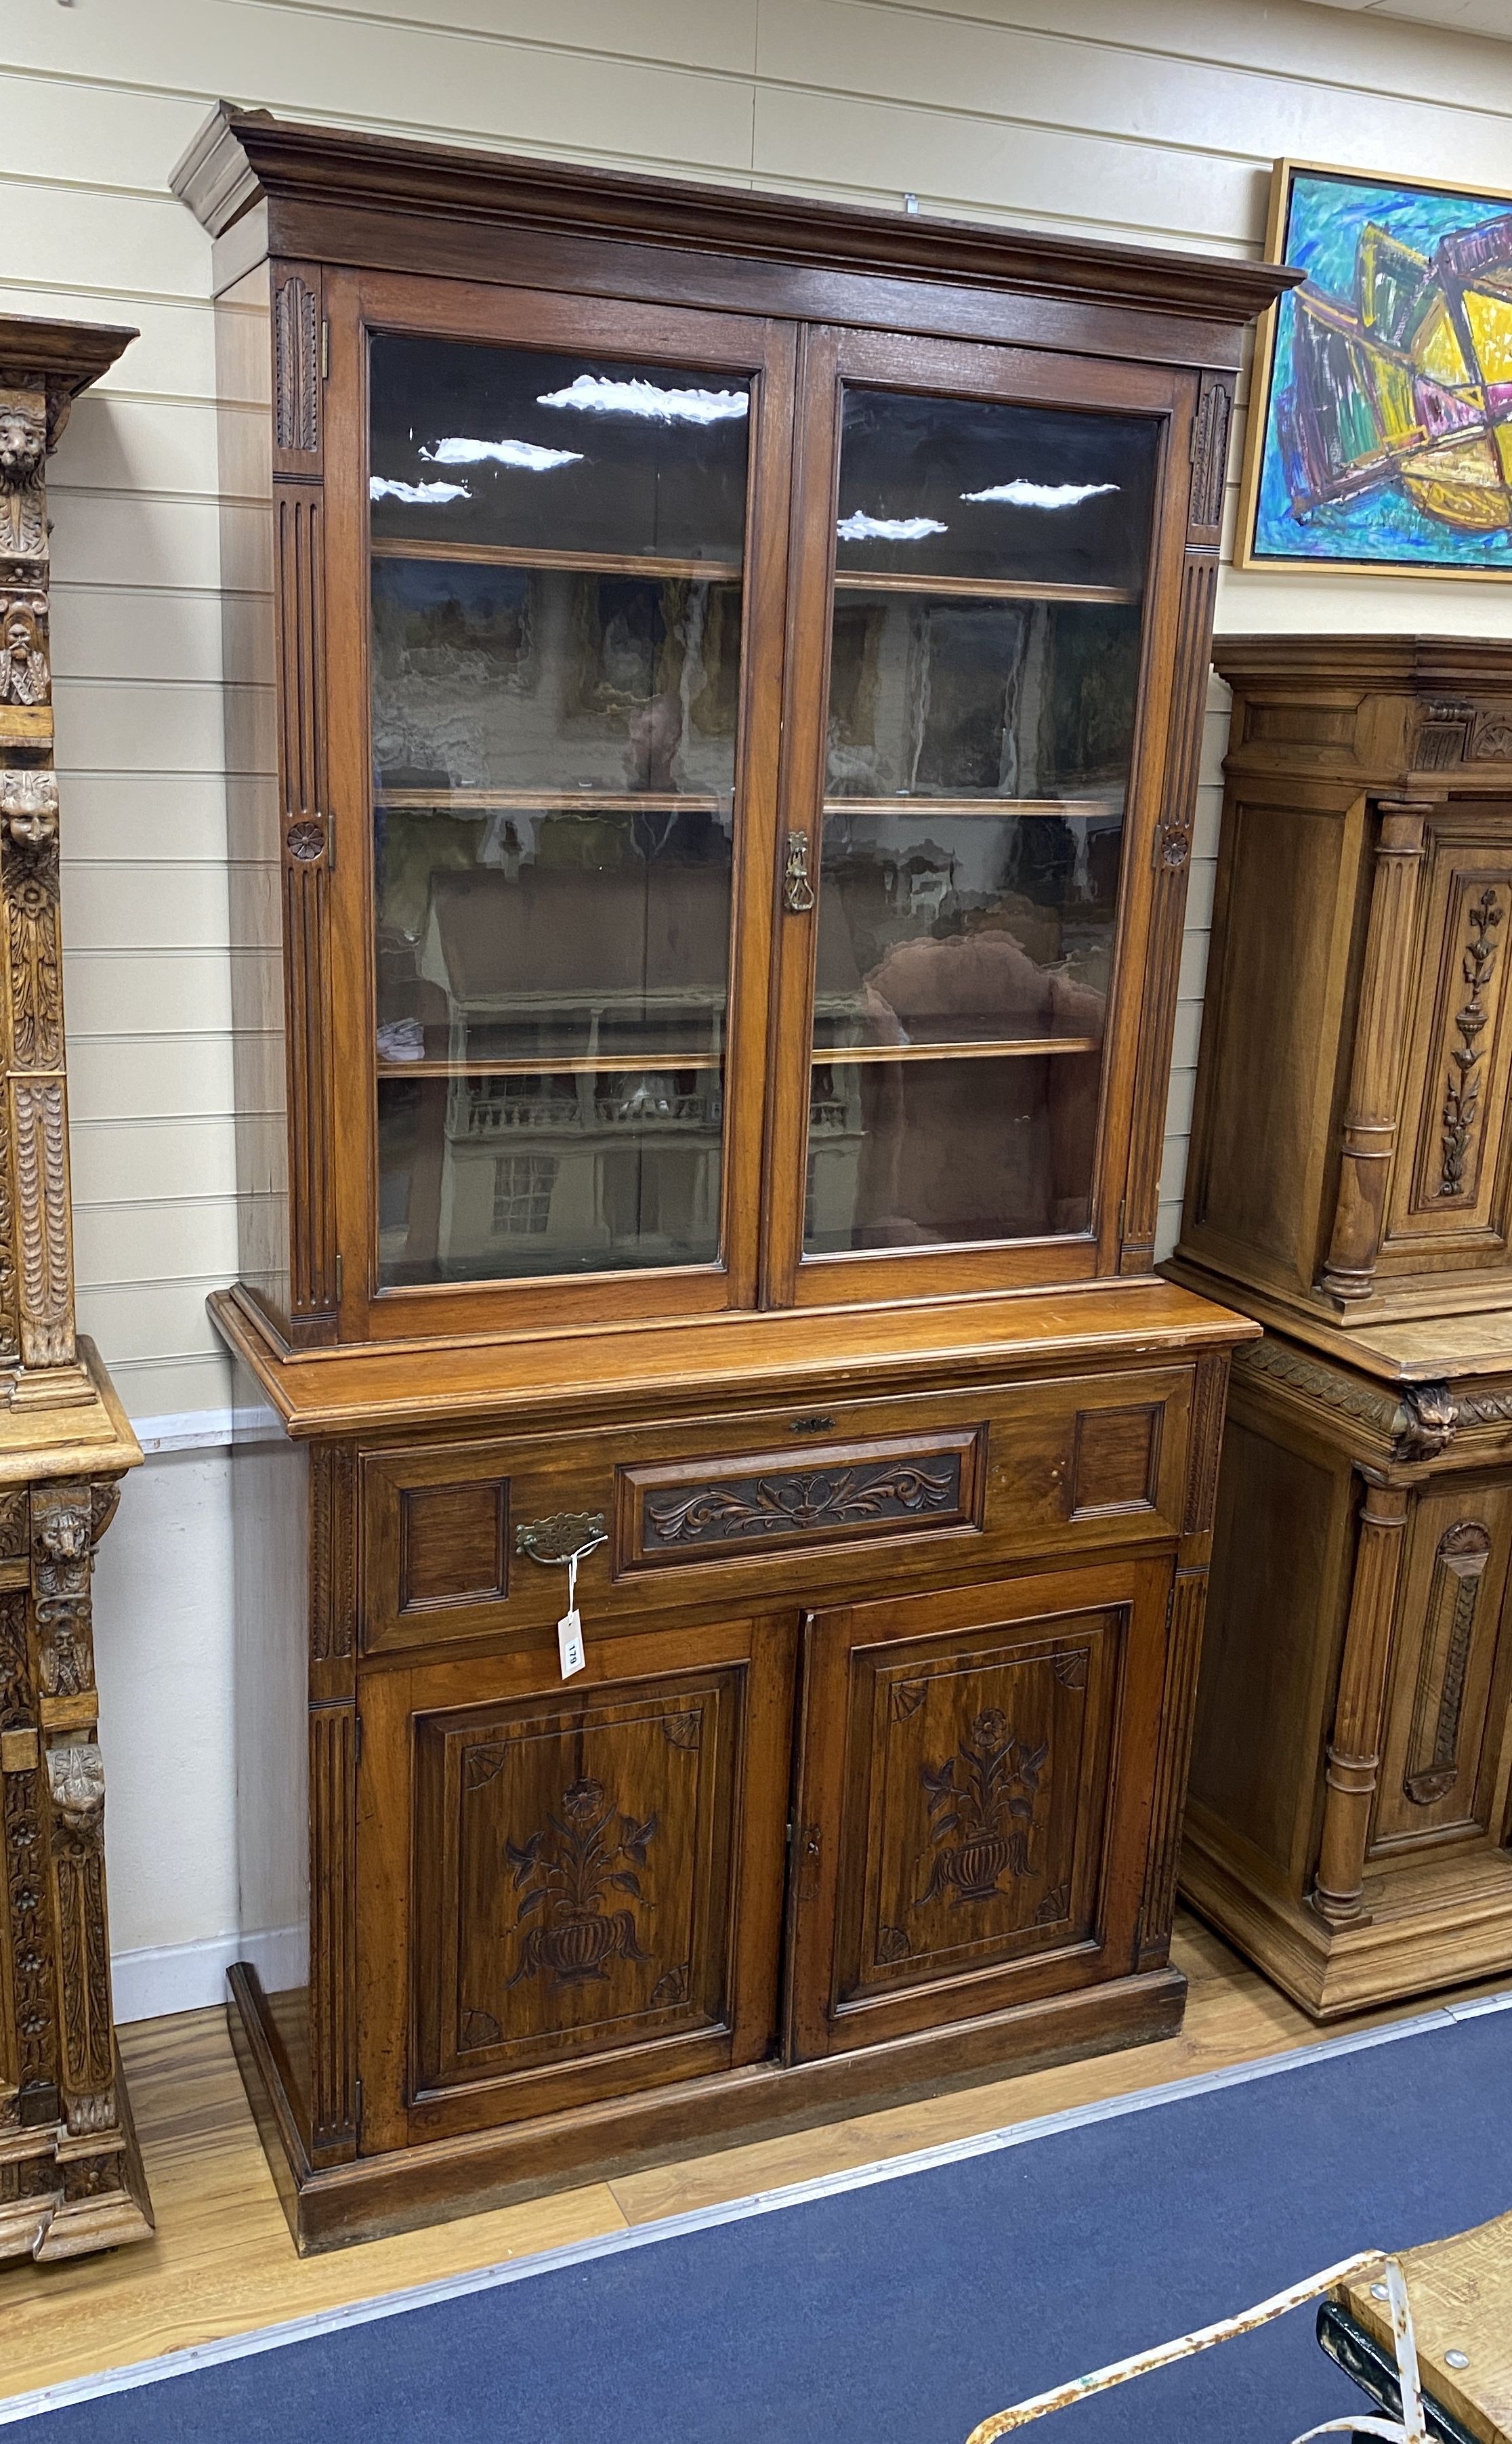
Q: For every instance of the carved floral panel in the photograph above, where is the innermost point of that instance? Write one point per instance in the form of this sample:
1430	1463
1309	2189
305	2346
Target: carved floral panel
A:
771	1502
575	1863
1458	1075
976	1769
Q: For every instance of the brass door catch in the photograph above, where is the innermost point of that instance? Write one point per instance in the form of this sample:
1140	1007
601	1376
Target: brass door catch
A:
798	892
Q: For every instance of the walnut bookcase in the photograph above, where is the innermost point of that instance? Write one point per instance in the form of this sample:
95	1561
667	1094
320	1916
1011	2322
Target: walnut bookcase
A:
70	2175
710	957
1351	1188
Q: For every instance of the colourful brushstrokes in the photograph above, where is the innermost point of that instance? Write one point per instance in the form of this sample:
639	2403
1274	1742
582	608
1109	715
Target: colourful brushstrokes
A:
1389	434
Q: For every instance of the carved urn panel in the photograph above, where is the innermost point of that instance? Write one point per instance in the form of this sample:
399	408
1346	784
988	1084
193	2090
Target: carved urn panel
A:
955	1832
581	1855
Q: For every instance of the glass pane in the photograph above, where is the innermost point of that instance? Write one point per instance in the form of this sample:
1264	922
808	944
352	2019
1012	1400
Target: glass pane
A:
918	1154
973	488
537	1172
965	930
556	649
984	682
939	697
529	678
570	455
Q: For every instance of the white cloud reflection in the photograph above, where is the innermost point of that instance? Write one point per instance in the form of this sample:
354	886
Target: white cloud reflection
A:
388	487
1022	495
460	451
859	528
600	396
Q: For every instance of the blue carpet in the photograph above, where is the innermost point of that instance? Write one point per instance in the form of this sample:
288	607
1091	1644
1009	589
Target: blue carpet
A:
902	2311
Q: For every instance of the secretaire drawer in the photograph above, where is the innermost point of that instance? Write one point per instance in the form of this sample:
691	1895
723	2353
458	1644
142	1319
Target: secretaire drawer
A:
766	1507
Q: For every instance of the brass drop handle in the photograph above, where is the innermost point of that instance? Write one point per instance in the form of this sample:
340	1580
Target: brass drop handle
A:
567	1536
798	892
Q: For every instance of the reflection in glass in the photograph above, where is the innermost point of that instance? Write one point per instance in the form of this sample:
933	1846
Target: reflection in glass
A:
548	1172
977	488
974	929
524	935
513	447
916	1153
556	655
939	697
527	679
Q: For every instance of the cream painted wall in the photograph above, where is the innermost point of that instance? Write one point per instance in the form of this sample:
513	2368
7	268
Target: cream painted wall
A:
1156	122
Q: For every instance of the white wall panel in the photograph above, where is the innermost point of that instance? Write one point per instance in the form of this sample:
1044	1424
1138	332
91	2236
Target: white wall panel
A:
1155	121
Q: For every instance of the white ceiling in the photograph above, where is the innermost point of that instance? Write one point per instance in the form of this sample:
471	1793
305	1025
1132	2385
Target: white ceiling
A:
1492	17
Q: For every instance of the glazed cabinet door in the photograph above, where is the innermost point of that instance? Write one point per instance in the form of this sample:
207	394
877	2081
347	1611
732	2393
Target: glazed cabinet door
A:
563	524
568	1890
973	771
974	1799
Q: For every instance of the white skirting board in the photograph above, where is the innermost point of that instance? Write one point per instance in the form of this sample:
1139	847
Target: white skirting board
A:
190	1976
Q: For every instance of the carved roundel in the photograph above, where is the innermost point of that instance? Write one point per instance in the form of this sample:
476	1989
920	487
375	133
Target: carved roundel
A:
305	841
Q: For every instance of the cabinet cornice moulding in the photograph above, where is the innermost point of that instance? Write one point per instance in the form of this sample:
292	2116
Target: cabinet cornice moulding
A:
1470	663
241	158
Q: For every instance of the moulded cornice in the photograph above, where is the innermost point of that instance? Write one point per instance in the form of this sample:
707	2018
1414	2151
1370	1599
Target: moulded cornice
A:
242	156
70	356
1435	664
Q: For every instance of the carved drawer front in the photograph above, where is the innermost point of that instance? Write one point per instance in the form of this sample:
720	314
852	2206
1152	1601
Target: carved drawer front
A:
682	1511
965	1835
767	1504
594	1871
1447	1189
1441	1759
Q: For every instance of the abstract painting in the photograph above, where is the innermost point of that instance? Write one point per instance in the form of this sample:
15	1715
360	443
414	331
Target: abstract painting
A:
1381	433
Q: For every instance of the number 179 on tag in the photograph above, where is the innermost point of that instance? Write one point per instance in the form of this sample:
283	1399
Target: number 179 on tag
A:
569	1642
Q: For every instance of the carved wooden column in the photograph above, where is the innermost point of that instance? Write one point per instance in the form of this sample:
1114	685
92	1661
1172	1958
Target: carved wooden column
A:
1369	1136
1354	1749
70	2175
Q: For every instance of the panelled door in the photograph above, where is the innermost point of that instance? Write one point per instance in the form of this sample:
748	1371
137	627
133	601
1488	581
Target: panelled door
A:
569	1891
973	1802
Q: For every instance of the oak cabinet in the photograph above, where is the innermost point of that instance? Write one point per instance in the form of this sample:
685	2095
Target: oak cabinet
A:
1350	1188
706	972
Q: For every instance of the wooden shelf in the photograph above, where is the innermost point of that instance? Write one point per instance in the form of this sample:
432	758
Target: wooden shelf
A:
1012	1048
577	801
574	1065
972	806
582	564
987	590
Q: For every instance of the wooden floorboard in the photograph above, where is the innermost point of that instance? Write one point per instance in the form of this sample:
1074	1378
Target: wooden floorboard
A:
223	2263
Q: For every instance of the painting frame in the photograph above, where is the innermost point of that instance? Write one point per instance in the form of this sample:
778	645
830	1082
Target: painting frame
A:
1259	436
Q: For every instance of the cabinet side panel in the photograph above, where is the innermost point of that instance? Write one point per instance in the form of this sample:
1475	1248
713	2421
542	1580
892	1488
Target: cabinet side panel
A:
270	1509
1268	1063
242	360
1272	1630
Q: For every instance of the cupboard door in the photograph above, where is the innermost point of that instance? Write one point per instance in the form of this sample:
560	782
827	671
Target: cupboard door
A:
974	1799
561	710
985	541
570	1891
